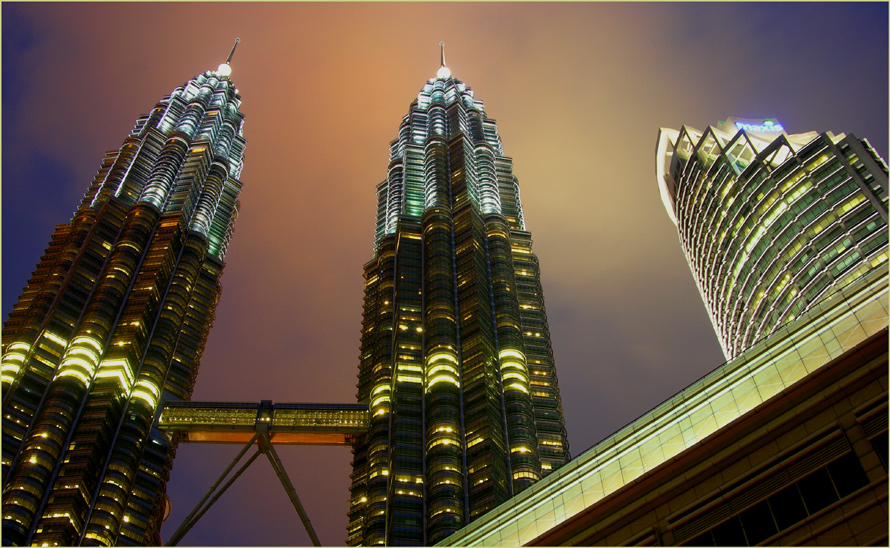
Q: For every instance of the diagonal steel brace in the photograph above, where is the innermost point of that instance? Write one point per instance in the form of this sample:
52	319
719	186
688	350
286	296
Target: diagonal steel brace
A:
267	447
195	514
264	445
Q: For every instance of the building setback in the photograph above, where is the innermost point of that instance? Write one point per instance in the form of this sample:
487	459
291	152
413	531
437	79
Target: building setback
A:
770	223
455	361
114	320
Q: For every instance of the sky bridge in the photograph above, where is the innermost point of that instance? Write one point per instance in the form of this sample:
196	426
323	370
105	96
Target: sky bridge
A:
264	424
284	423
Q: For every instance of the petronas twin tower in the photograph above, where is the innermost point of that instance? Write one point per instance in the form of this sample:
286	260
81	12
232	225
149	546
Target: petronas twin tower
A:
113	322
456	364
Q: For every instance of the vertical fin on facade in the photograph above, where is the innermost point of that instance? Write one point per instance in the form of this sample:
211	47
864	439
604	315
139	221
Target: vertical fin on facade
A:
771	223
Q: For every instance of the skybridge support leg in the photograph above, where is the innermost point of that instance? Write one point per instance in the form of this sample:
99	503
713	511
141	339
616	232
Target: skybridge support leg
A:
195	514
269	449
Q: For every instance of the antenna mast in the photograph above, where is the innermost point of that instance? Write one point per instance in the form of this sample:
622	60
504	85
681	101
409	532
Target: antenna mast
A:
235	45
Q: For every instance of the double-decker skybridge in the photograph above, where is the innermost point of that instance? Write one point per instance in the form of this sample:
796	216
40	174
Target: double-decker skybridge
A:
264	424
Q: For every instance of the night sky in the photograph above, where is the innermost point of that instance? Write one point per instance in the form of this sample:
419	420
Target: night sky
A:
579	92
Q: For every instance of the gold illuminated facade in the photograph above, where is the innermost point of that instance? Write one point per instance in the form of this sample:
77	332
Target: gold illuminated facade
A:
114	320
455	362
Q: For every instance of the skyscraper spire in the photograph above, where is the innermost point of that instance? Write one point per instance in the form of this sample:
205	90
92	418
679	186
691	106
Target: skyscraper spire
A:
231	53
225	70
443	71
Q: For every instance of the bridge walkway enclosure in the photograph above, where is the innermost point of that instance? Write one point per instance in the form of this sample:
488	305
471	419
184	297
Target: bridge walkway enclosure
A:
266	425
286	423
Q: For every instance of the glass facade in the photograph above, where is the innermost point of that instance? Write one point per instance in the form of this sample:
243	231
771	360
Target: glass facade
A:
771	223
114	321
455	358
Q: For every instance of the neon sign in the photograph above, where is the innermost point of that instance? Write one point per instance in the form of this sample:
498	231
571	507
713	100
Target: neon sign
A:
767	126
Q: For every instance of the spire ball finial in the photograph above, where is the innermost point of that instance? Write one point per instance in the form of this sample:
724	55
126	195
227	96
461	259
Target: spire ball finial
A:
443	71
225	70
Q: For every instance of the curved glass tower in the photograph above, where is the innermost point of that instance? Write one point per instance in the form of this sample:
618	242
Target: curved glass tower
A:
770	223
114	321
455	363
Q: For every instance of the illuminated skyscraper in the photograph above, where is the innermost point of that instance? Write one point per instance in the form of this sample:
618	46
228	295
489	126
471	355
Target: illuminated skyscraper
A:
114	320
771	223
456	363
